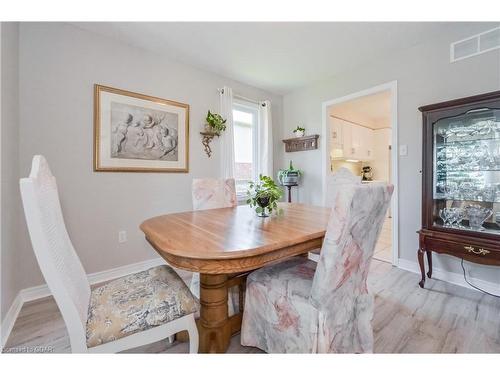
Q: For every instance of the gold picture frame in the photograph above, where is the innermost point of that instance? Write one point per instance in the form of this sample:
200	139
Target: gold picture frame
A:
139	133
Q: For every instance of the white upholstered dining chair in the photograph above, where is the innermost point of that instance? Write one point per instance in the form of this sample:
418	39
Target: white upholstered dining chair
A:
128	312
299	306
210	193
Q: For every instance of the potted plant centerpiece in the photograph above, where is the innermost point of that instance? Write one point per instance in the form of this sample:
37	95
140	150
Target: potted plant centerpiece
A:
215	123
264	196
290	176
299	131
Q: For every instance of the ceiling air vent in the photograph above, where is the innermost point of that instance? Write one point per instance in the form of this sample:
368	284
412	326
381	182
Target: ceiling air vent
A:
475	45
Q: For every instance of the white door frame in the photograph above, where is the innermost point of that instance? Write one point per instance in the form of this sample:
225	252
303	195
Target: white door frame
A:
393	88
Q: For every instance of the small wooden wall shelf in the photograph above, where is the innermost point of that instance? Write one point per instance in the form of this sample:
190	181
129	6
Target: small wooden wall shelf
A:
207	138
305	143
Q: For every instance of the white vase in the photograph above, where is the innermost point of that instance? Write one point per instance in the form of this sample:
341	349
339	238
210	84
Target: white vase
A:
299	133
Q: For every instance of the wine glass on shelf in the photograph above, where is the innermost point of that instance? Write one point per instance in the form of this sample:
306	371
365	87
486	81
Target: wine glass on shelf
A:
460	216
444	132
442	215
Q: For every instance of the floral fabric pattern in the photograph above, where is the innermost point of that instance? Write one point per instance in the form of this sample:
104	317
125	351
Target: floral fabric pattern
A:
211	193
338	182
136	303
295	307
278	316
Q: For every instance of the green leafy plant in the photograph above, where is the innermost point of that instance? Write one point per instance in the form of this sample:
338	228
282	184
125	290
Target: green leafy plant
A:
216	123
291	171
299	129
264	196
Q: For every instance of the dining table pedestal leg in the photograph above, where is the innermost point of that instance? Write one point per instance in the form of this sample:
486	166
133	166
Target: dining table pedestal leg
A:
214	327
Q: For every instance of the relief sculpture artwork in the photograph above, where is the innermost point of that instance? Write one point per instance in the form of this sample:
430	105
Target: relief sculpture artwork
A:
143	134
139	133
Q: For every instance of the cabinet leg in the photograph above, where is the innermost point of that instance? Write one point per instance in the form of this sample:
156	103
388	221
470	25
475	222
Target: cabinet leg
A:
429	261
420	255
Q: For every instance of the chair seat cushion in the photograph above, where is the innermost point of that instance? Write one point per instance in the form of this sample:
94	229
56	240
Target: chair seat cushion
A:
278	316
135	303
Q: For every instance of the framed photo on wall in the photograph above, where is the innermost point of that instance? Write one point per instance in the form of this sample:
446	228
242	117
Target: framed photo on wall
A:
139	133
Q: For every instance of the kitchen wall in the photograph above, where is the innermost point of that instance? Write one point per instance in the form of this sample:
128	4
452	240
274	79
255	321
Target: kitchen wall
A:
10	199
381	154
59	64
424	75
354	167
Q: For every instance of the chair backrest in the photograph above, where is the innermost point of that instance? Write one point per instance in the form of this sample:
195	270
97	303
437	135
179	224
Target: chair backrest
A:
211	193
54	251
337	182
339	289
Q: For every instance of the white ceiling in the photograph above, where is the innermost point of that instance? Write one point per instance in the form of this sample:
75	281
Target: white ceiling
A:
278	57
372	111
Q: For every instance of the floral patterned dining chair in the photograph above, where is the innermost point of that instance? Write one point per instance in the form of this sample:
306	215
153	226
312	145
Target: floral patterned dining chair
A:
299	306
335	183
125	313
210	193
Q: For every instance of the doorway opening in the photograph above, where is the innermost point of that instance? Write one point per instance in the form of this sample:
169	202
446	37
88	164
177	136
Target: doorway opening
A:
360	134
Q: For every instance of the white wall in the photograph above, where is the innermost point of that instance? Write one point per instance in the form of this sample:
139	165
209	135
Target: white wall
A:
381	160
10	198
59	65
424	75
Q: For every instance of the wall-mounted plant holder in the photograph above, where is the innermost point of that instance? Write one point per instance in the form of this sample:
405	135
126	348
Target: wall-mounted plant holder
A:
305	143
206	139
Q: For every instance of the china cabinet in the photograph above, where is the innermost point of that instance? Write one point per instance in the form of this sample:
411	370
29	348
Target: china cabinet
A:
461	180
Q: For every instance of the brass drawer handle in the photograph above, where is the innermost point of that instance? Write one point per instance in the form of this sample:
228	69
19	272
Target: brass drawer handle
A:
479	251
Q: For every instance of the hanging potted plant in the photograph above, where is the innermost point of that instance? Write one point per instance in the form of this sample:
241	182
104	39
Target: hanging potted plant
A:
264	196
290	176
215	123
299	131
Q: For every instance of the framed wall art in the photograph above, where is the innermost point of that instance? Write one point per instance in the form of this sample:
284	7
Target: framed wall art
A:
139	133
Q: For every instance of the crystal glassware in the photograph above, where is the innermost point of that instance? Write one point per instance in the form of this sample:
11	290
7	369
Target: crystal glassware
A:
488	193
477	216
443	216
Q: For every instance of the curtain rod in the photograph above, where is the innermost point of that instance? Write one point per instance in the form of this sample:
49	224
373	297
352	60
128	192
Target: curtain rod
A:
237	96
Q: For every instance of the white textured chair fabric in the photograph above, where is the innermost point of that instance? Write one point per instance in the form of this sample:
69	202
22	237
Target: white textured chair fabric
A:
300	307
69	285
53	249
210	193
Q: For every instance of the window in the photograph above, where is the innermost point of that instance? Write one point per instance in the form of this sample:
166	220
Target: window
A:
245	136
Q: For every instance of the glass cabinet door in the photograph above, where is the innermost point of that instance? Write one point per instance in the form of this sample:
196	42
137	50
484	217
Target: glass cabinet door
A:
466	171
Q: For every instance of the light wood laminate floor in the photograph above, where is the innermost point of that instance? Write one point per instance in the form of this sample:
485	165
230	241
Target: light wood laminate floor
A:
383	248
443	318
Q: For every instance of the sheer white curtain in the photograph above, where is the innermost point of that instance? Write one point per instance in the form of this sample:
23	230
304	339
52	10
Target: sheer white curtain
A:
227	137
265	144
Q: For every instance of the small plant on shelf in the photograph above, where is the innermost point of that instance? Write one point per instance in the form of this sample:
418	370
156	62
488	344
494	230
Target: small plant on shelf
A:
290	176
264	196
215	123
299	131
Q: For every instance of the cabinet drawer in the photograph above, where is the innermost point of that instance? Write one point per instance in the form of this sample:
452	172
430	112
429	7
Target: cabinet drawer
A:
469	251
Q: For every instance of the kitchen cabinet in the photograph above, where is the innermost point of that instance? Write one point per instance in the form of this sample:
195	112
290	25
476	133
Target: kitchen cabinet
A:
351	141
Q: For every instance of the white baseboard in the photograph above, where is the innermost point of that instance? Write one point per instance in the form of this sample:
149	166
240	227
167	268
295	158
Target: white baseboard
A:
10	319
450	277
41	291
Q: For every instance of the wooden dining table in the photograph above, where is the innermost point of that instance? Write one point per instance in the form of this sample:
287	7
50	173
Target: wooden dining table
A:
224	245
